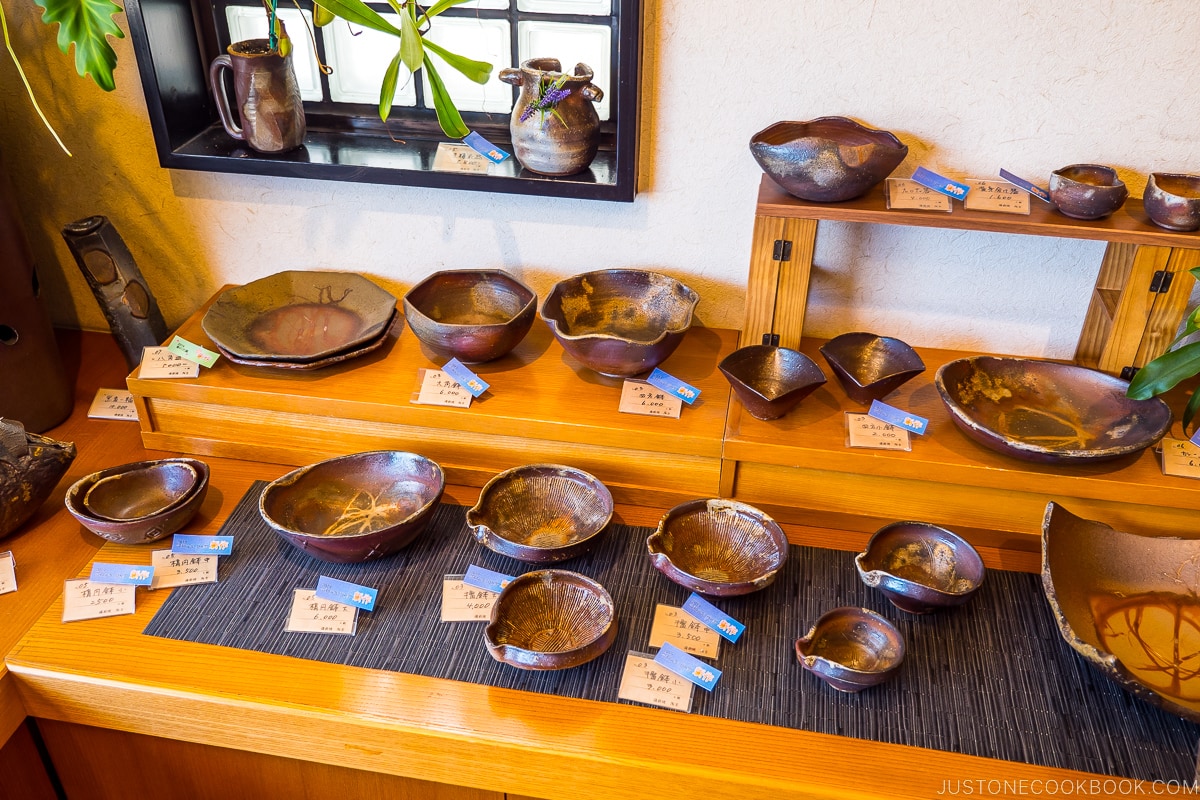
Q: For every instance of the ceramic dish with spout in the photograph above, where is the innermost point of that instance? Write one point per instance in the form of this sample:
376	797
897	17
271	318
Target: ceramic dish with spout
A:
920	567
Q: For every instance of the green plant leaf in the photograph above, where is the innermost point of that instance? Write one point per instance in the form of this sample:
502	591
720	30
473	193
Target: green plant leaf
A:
360	13
387	90
87	24
1189	413
1164	372
412	53
448	116
478	71
439	7
322	16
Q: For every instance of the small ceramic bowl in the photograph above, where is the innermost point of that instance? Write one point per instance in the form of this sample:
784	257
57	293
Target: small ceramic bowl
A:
1172	201
1087	191
620	322
354	508
871	367
920	567
851	649
474	315
541	513
718	547
551	619
149	491
770	381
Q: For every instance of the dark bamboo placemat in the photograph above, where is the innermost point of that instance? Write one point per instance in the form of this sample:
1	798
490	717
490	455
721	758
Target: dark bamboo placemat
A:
990	679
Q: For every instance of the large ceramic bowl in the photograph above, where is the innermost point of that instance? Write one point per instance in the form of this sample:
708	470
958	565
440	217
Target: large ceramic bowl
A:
770	381
551	619
828	159
354	508
1172	201
871	367
147	492
28	475
851	649
473	315
1087	191
718	547
1048	412
1129	604
620	322
541	513
920	567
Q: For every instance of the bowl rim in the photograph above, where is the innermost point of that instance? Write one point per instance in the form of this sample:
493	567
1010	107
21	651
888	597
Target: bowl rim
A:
499	605
411	308
186	463
862	613
693	297
749	350
73	499
835	361
890	139
1108	171
876	576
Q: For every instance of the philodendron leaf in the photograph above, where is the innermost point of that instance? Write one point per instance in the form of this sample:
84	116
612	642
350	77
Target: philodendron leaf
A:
412	53
322	16
478	71
448	116
87	24
1164	372
387	91
360	13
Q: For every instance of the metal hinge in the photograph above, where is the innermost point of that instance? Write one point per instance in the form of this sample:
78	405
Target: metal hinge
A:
782	251
1127	373
771	339
1162	281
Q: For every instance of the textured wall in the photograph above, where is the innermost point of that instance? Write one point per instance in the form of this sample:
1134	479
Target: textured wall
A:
970	86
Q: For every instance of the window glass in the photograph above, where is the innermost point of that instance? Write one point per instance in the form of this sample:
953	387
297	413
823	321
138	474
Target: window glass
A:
571	44
250	22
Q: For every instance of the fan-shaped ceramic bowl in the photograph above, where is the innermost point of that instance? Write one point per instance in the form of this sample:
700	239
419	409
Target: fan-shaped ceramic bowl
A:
1087	191
770	381
156	496
28	478
827	159
1048	412
354	508
851	649
1172	201
473	315
718	547
620	322
551	619
920	567
541	513
871	367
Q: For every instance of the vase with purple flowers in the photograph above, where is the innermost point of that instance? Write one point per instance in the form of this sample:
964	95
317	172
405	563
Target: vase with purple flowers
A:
554	125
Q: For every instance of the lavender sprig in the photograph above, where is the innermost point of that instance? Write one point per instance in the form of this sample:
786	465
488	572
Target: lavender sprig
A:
550	94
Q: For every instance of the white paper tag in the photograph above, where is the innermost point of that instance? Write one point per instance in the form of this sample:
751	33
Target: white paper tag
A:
113	404
638	397
674	625
83	599
903	193
644	681
159	362
459	158
439	389
863	430
8	572
181	569
1180	458
999	196
463	603
310	614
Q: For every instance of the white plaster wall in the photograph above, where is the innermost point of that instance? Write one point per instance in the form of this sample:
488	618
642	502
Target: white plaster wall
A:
971	86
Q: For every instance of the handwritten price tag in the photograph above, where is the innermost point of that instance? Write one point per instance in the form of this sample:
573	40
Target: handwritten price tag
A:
685	666
87	600
863	430
644	681
1000	196
439	389
1180	458
462	602
460	158
159	362
675	625
112	404
181	569
310	614
639	397
8	573
210	545
131	574
905	194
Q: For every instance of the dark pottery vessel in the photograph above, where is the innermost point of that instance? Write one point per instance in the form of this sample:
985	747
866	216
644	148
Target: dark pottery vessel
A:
139	493
828	159
474	315
351	353
1087	191
851	649
920	567
871	367
563	142
1172	201
30	467
770	381
266	93
138	496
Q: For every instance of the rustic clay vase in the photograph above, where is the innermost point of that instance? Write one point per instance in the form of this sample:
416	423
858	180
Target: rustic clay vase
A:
268	97
547	143
30	467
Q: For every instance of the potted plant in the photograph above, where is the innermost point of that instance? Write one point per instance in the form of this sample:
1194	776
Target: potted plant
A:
1179	362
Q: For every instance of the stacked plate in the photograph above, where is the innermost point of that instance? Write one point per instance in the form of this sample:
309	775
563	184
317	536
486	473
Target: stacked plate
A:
301	320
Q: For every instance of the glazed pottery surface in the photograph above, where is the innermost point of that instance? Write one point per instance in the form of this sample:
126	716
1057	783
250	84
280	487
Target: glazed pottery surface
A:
562	142
1087	191
138	494
1173	201
851	649
920	567
353	352
267	95
473	315
30	467
770	381
871	367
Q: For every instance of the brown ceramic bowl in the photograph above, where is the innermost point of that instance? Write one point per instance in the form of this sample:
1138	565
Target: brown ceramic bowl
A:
541	513
473	315
136	489
826	160
851	649
1172	201
770	381
871	367
27	480
920	567
354	508
1087	191
718	547
620	322
551	619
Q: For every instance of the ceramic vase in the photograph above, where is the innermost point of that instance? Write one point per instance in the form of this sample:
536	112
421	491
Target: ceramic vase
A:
554	138
266	92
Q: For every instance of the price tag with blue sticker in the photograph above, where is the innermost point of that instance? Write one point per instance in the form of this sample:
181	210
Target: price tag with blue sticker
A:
192	352
714	617
673	386
464	377
687	666
128	574
901	419
202	545
484	147
482	578
931	180
346	593
1032	188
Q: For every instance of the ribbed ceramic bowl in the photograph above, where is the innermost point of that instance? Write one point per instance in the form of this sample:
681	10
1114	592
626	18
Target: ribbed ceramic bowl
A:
473	315
137	490
718	547
620	322
354	508
1087	191
551	619
1172	201
851	649
541	513
871	367
770	381
920	567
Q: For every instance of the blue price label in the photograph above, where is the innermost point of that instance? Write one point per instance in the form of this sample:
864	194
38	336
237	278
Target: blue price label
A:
714	617
673	386
131	574
931	180
465	378
901	419
205	545
1195	438
687	666
346	593
484	147
482	578
1032	188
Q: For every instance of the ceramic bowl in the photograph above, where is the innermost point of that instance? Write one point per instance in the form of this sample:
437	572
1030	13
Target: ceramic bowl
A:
920	567
851	649
1087	191
828	159
473	315
718	547
871	367
354	508
1048	412
541	513
551	619
29	475
770	381
136	489
620	322
1172	201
